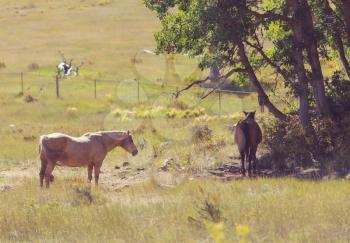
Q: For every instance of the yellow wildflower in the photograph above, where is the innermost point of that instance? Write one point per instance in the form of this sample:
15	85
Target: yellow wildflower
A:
216	231
242	230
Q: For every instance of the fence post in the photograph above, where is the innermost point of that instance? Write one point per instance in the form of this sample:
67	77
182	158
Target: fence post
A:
219	104
57	86
95	87
138	91
22	85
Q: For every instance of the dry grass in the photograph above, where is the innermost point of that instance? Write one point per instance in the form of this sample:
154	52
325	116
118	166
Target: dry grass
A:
106	35
274	210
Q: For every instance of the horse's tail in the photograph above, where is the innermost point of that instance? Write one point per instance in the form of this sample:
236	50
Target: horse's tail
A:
245	128
40	147
240	136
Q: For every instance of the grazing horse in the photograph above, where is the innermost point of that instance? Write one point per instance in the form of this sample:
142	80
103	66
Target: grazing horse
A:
247	137
88	150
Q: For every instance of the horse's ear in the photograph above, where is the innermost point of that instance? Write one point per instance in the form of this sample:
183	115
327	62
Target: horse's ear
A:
245	113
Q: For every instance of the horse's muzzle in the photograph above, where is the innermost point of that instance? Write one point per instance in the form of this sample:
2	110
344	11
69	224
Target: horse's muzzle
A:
134	153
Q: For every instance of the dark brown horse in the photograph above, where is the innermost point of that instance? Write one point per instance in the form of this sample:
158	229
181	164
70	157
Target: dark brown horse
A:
247	137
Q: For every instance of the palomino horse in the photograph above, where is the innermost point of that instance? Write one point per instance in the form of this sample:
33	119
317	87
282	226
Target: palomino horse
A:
88	150
247	137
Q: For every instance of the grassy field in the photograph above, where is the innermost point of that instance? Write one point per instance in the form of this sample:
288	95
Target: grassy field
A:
251	210
137	203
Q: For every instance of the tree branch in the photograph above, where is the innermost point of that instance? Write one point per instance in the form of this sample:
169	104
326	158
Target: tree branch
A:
232	71
279	70
262	95
178	92
200	81
269	15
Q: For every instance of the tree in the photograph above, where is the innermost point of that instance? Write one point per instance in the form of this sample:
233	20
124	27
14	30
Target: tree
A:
298	30
343	7
302	10
197	26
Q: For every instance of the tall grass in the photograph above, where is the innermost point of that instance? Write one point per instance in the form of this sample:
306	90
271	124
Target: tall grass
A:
282	210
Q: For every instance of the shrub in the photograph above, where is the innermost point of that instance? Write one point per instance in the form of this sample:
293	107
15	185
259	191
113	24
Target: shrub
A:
72	112
326	147
191	113
104	2
286	143
179	104
201	133
172	113
149	112
33	66
338	91
117	112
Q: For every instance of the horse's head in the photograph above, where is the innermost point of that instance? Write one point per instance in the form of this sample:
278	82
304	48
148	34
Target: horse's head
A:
128	144
249	116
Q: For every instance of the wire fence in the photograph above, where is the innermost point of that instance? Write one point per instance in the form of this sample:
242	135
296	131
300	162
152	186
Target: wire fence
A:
121	92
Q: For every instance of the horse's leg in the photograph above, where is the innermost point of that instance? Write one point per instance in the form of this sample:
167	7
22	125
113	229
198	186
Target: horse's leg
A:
90	167
254	163
242	162
97	168
48	172
249	158
42	170
254	159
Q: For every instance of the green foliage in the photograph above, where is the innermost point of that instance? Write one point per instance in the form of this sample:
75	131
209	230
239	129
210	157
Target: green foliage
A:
269	5
202	28
338	91
326	147
276	31
287	144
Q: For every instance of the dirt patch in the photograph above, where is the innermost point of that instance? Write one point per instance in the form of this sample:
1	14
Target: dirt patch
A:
169	174
120	178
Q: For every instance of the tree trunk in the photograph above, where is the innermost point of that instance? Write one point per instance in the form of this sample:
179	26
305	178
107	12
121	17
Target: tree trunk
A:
214	73
302	88
245	62
302	18
317	82
345	10
335	31
341	50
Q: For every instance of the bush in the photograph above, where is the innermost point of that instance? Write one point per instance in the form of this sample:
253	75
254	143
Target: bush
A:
72	112
326	147
179	104
338	91
33	66
104	2
201	133
286	143
149	112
